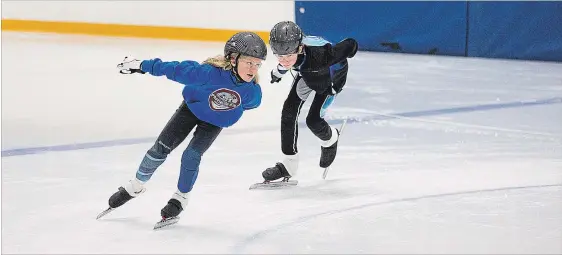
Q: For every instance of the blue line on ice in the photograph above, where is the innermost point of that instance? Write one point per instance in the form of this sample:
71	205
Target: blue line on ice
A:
121	142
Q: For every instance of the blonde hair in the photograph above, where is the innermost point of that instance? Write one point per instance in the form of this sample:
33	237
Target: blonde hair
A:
221	62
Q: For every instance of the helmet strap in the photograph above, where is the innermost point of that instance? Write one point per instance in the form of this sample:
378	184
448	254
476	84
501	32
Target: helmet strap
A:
301	49
235	69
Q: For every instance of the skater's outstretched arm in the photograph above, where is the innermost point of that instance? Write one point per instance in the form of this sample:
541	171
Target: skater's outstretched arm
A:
186	72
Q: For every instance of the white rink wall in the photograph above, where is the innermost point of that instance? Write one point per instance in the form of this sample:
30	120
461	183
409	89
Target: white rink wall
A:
235	15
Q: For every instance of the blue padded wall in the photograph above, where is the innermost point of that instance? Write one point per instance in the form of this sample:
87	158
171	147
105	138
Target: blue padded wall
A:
516	30
401	26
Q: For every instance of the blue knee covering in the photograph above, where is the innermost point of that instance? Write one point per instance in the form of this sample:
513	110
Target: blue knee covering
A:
190	161
329	100
151	161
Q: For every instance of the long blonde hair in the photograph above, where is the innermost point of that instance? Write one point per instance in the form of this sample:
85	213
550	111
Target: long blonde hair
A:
221	62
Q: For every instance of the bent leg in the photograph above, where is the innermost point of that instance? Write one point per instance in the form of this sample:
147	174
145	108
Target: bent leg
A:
204	136
173	134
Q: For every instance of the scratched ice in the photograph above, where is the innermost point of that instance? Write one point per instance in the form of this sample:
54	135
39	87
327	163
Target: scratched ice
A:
440	155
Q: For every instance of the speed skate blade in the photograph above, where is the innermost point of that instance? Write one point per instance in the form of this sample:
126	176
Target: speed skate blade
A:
328	168
274	185
325	173
166	222
106	211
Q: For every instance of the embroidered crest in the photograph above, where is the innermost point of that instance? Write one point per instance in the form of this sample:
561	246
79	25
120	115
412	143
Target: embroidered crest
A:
224	99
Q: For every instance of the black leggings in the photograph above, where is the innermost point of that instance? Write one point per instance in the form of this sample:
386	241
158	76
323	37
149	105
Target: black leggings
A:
290	115
173	134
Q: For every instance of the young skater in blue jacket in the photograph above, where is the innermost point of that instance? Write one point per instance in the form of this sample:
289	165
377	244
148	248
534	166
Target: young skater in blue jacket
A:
215	93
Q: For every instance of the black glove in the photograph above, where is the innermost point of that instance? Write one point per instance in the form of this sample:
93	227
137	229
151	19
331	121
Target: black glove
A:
274	78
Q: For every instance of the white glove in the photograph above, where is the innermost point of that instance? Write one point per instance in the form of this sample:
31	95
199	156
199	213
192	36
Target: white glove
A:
130	65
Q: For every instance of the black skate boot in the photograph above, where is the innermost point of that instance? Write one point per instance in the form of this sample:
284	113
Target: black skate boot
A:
328	154
276	172
172	209
170	213
175	205
125	193
119	198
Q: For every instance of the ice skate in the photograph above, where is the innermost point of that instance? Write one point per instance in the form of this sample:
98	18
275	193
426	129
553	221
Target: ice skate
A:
329	151
276	172
328	154
124	193
171	211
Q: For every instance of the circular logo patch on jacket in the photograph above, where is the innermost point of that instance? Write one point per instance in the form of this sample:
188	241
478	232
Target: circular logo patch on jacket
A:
224	100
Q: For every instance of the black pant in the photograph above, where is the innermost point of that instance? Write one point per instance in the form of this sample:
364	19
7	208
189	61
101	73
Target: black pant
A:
173	134
290	114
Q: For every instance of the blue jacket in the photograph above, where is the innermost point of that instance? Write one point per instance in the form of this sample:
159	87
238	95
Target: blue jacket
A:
213	94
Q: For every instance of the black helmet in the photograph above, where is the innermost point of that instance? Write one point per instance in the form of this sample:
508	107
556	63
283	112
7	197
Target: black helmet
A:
285	38
246	43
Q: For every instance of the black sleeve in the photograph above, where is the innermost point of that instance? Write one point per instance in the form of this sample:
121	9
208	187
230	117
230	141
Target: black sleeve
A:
316	68
342	50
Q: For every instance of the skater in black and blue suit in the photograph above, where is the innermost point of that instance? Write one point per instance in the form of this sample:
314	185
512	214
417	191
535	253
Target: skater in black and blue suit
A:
321	67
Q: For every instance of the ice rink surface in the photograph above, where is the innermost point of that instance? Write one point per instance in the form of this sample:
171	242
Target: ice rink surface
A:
440	155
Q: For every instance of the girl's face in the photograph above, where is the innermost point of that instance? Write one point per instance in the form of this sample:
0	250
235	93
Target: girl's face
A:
248	67
287	60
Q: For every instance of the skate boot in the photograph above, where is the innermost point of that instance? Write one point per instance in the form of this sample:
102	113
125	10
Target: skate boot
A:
276	172
328	151
170	213
175	205
125	193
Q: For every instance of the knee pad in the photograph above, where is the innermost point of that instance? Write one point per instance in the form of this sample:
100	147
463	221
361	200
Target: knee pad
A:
190	160
329	100
189	170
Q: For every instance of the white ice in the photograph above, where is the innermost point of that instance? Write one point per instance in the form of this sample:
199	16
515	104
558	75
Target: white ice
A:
469	180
